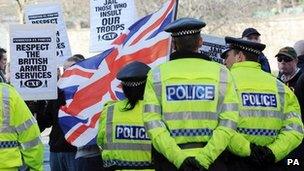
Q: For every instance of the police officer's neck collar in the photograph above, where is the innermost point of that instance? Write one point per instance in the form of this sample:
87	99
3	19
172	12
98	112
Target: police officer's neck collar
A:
249	64
187	54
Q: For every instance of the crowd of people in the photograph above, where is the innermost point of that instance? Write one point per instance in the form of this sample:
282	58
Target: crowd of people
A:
189	113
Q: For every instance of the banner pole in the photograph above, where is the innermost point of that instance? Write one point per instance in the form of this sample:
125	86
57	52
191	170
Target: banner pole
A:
174	18
176	9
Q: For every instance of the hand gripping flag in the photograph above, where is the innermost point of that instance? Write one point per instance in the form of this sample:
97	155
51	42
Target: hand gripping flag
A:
87	85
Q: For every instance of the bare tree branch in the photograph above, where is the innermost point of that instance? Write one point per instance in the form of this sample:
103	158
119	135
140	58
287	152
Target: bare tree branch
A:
215	13
19	5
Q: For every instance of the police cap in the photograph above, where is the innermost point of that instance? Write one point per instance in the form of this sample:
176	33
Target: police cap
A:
243	45
250	31
185	26
133	74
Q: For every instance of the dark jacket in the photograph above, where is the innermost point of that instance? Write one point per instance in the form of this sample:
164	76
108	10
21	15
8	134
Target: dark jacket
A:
38	108
2	77
293	81
264	63
301	62
57	141
298	152
299	92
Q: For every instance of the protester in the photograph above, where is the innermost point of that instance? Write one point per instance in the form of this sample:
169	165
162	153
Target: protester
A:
38	109
299	151
299	92
3	60
20	142
299	48
289	73
251	34
292	75
87	157
62	154
126	115
270	126
189	130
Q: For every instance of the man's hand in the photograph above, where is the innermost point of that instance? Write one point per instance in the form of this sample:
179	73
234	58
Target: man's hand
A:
261	155
190	164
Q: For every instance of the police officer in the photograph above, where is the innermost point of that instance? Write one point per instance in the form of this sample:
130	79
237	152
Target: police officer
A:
121	133
20	141
270	125
190	104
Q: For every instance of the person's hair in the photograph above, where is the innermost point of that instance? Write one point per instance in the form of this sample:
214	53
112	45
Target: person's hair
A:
251	56
248	56
81	57
187	42
235	51
133	94
76	58
2	52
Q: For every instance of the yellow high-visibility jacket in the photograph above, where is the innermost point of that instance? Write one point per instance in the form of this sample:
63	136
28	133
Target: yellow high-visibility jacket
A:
190	100
19	133
122	137
269	112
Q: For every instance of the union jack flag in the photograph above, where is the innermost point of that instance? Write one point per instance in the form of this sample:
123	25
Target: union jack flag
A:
87	85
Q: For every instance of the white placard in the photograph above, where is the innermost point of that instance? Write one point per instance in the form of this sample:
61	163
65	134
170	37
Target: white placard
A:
213	47
33	61
109	18
51	13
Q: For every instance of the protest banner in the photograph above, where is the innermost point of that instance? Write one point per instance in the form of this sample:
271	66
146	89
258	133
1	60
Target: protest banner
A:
213	47
33	61
51	13
109	18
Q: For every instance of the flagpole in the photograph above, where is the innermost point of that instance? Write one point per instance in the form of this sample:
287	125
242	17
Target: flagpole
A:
174	18
175	10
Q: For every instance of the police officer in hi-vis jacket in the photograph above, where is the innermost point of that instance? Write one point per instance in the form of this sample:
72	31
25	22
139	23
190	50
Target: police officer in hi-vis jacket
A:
270	124
121	134
190	104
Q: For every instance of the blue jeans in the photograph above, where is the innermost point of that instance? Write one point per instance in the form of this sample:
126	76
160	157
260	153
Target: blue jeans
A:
63	161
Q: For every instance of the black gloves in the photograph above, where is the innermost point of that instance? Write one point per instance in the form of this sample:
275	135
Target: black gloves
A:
261	155
190	164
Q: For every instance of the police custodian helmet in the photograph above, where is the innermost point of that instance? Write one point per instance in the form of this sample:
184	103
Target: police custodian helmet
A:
185	26
133	74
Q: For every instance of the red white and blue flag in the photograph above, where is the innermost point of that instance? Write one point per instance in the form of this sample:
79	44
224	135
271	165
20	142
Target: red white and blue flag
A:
87	85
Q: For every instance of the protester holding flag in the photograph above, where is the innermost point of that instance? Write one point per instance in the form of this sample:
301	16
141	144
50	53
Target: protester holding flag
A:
62	154
89	84
121	133
190	104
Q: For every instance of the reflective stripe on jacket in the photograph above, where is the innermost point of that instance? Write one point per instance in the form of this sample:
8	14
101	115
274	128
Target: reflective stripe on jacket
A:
19	132
123	138
190	100
269	112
